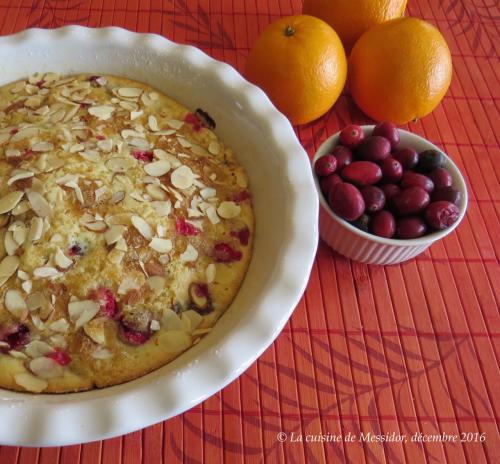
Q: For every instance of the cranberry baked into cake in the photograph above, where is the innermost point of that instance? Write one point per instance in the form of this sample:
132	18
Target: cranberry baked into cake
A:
126	229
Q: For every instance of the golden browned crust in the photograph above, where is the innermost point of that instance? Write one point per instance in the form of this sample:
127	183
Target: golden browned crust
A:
126	229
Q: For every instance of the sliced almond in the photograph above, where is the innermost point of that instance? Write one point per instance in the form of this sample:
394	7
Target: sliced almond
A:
42	146
182	178
117	197
57	116
119	164
30	383
210	273
27	286
212	215
45	272
36	229
81	312
37	348
214	147
156	283
184	143
135	114
189	255
127	284
39	204
21	208
61	260
207	193
9	201
95	331
19	234
46	368
157	168
18	174
12	153
153	123
156	192
174	123
26	133
15	304
96	226
127	133
114	233
36	301
116	256
61	326
8	266
102	353
161	245
105	145
228	209
11	246
129	92
103	112
142	227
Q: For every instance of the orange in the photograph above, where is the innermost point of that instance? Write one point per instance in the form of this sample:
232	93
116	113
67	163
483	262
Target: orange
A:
350	18
400	70
300	63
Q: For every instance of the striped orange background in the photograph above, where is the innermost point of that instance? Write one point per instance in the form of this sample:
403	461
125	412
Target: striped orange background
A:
409	349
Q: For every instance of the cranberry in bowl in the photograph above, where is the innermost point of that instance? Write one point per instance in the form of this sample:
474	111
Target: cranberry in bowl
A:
393	207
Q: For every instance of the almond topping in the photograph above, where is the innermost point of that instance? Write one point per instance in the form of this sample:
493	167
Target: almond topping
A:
61	260
26	133
161	245
39	204
129	92
156	192
42	146
182	178
15	304
142	227
43	272
214	147
189	255
153	123
157	168
30	383
105	145
96	226
95	331
156	283
228	209
174	123
162	208
37	348
9	201
119	164
102	112
8	266
114	234
46	368
36	229
81	312
210	273
18	174
10	244
61	326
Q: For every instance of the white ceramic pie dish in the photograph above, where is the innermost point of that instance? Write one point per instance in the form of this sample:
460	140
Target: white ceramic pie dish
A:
286	211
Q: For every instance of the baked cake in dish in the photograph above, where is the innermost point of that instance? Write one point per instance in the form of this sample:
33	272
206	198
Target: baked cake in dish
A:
126	230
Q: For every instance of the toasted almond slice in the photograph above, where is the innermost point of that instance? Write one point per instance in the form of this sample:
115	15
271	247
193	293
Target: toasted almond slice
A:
44	272
182	178
207	193
157	168
20	234
10	244
21	208
184	143
156	283
81	312
127	133
61	325
39	204
102	112
36	229
36	300
228	210
210	272
170	320
140	143
135	114
129	92
57	116
27	286
9	201
78	192
8	266
116	256
161	245
46	368
77	147
119	164
128	283
105	145
95	331
114	233
174	123
214	147
18	174
42	146
156	192
153	123
70	114
129	105
96	226
37	348
189	255
15	304
102	353
61	260
25	133
30	383
117	197
12	152
142	227
23	275
90	155
212	215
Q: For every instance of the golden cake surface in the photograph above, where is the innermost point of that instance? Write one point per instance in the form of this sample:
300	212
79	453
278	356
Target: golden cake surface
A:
126	229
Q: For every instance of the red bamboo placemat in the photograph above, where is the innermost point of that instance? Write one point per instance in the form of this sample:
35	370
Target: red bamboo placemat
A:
411	349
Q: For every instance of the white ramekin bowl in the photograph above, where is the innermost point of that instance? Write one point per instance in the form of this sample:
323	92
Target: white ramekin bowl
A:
361	246
286	211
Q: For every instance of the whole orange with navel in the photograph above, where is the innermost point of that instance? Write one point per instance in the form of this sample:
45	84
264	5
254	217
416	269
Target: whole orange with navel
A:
300	63
400	70
350	18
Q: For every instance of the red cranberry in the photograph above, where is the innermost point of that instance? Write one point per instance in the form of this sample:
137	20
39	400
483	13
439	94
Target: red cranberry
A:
225	253
408	157
412	179
441	178
383	224
16	337
362	173
350	136
143	155
392	170
327	183
325	165
243	235
346	201
362	223
390	191
133	336
429	160
446	194
241	196
60	357
410	227
343	155
410	201
389	131
441	214
374	148
194	121
374	198
76	250
182	227
104	296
